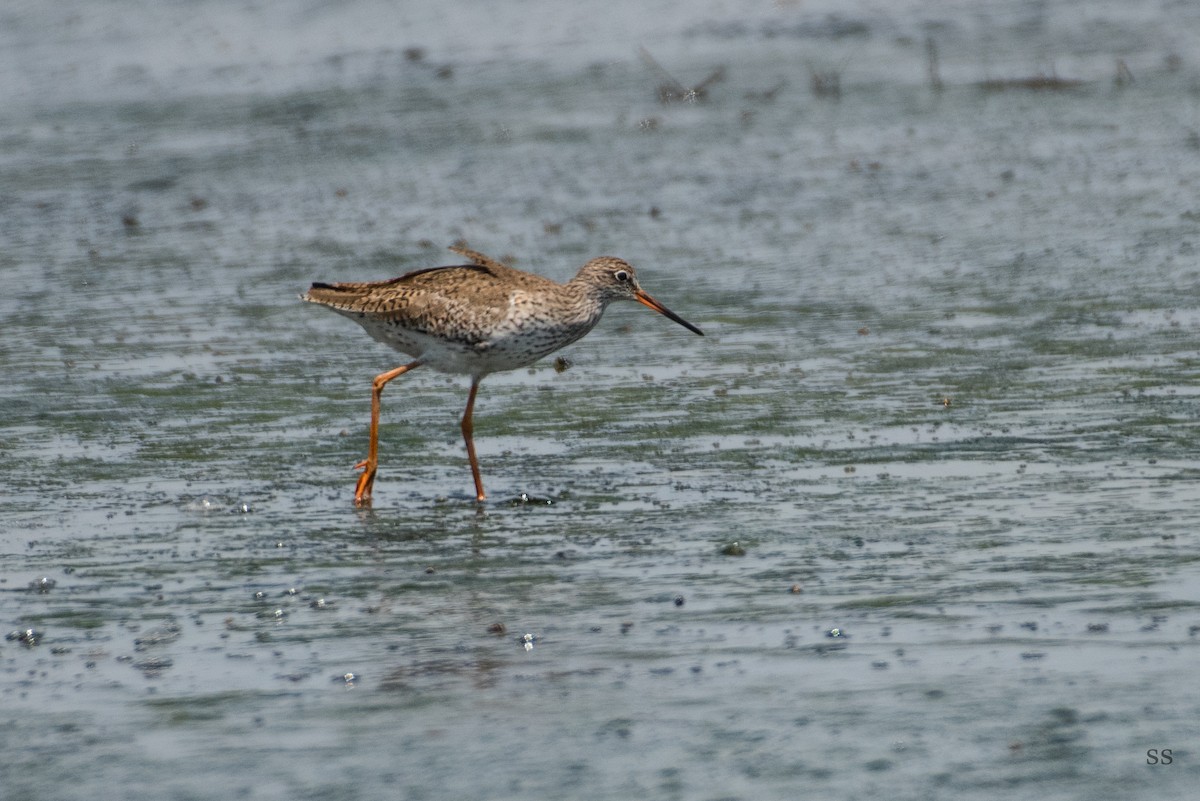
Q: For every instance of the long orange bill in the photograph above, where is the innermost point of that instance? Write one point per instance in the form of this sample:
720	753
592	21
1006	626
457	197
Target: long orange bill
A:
644	299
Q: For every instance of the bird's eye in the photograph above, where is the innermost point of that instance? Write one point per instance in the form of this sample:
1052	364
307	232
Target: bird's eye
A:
621	275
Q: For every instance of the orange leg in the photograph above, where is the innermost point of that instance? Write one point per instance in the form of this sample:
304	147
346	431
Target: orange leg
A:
468	430
362	493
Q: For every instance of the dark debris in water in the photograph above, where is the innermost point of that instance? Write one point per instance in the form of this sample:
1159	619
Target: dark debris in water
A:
1034	83
154	666
27	637
43	585
525	499
823	648
160	635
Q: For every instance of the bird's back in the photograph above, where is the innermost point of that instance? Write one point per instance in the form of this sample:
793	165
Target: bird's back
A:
434	299
472	318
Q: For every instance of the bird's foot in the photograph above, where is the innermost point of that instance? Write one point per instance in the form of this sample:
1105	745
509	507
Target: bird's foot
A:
362	491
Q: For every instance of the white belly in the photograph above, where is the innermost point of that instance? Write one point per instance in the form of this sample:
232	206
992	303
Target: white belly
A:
504	349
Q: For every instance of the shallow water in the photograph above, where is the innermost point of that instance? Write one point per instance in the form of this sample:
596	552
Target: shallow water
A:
917	516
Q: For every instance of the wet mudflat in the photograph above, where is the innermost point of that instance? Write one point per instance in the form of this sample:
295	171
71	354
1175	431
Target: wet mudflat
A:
917	516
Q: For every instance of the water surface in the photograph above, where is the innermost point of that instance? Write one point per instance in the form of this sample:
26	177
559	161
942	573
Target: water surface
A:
916	517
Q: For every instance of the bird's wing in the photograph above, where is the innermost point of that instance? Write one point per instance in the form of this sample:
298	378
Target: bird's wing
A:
464	298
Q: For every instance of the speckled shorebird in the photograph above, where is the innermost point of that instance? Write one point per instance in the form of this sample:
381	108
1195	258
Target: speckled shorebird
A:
476	319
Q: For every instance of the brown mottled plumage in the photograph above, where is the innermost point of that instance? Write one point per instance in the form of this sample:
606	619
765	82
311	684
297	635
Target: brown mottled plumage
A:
475	319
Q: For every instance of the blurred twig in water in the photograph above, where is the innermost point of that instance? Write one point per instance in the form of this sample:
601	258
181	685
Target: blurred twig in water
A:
931	62
1124	76
671	90
766	95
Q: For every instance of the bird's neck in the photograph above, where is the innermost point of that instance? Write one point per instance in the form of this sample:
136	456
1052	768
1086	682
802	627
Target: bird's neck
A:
585	301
